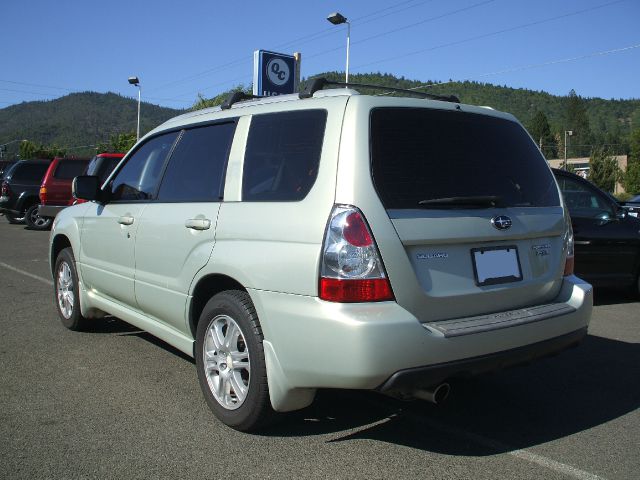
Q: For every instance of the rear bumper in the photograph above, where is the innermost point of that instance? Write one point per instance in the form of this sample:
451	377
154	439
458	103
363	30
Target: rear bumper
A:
50	210
319	344
429	376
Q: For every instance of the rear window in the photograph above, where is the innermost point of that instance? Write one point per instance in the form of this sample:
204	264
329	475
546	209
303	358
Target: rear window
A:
29	172
70	169
282	156
432	156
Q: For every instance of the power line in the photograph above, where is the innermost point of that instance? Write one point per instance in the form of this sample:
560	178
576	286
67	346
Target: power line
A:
298	41
490	34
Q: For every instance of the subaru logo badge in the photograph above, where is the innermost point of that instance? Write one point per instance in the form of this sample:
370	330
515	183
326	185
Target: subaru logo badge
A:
501	222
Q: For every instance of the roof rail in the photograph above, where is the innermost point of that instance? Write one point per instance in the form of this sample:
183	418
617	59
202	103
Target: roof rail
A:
237	97
319	83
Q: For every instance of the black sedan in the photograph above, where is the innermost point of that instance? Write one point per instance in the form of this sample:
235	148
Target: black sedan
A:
607	237
633	206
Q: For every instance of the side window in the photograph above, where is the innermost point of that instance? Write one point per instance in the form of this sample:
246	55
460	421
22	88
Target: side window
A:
139	177
282	156
197	165
583	200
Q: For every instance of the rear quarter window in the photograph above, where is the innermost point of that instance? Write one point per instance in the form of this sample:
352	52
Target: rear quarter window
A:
29	172
282	155
68	170
420	154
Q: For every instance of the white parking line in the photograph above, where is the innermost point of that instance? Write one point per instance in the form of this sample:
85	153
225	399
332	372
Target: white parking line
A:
27	274
522	454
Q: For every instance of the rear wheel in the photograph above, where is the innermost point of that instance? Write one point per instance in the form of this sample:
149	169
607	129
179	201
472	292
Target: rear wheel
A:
14	219
66	291
230	361
35	221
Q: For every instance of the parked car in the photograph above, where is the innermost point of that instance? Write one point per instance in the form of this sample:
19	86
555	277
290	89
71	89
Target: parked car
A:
100	166
55	191
607	237
633	206
4	166
20	187
328	240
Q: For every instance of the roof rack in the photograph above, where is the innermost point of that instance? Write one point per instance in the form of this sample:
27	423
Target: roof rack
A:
237	97
319	83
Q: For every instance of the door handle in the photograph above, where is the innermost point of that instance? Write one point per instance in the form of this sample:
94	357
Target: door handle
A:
125	220
198	223
582	242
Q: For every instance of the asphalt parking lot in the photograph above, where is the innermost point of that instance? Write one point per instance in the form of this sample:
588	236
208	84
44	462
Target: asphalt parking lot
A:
116	403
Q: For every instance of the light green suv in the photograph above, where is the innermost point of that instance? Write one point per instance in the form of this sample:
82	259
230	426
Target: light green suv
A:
327	240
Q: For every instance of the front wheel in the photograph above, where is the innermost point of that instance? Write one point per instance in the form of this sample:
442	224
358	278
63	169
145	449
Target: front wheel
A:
35	221
66	291
230	361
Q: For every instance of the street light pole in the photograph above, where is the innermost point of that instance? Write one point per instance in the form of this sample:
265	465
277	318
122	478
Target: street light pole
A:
3	147
566	132
136	81
338	19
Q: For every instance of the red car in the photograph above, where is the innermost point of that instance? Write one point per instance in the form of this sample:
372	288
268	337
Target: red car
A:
55	192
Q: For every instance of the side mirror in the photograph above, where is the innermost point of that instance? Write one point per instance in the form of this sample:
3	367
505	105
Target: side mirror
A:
86	187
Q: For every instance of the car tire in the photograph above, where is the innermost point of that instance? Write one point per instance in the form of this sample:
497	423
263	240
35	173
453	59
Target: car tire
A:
66	290
230	362
35	221
14	219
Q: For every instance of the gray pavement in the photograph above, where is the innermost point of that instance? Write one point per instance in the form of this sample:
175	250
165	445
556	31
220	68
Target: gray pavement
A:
117	403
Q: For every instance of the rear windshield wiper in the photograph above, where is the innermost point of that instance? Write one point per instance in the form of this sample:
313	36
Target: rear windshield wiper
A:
462	202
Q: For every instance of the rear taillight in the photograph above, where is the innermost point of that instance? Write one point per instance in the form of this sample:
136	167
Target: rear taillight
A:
569	247
351	267
5	192
43	195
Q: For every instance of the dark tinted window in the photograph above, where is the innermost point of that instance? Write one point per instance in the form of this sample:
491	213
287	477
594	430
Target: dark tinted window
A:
282	157
70	169
583	200
197	165
138	178
425	154
29	172
101	167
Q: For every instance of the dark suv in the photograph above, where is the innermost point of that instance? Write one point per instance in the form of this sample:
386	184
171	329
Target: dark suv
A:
20	188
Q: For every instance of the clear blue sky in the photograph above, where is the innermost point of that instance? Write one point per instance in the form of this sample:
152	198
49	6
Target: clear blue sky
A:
181	48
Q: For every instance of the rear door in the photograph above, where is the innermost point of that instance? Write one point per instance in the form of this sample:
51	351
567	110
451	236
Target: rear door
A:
475	207
59	184
176	233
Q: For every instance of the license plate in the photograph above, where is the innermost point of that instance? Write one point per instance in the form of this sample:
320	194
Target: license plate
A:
496	265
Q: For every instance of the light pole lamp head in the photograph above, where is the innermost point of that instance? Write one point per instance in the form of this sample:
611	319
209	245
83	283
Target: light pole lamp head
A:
134	81
337	18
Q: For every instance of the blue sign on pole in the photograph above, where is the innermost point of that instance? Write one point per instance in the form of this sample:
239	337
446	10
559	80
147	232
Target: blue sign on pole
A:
273	73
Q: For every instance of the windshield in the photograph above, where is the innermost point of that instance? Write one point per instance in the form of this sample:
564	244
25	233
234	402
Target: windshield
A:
426	158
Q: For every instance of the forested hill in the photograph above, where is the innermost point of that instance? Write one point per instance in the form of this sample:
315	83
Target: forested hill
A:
89	118
77	119
610	121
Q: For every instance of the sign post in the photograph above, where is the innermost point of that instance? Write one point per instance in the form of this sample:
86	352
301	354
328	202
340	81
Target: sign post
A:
274	73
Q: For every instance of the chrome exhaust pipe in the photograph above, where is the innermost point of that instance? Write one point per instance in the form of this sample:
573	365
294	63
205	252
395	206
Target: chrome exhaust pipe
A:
435	395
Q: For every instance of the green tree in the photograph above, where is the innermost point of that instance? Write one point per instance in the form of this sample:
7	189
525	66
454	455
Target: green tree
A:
631	178
603	169
577	121
119	143
203	102
634	146
29	150
540	130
